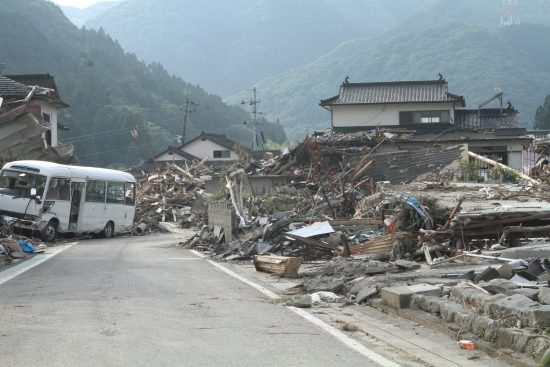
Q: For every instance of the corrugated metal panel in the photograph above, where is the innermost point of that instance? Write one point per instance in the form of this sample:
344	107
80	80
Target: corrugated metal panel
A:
406	166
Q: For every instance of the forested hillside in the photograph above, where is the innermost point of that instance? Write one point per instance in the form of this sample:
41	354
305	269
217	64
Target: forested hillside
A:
109	90
298	52
226	46
474	60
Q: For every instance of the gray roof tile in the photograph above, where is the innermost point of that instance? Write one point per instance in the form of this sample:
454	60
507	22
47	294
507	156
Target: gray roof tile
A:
11	88
393	92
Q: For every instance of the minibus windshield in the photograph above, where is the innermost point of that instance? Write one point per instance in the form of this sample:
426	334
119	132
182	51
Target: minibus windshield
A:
17	183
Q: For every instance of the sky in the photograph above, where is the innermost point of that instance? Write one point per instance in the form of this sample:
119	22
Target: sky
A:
78	3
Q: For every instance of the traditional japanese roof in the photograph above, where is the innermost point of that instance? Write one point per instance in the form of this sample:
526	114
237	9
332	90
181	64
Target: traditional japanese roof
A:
216	138
9	88
424	91
41	80
18	87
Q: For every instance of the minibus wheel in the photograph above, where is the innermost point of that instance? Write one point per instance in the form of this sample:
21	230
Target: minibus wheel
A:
49	233
108	231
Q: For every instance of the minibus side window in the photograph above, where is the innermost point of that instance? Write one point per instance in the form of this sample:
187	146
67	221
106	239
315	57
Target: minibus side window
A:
59	189
115	192
95	191
130	196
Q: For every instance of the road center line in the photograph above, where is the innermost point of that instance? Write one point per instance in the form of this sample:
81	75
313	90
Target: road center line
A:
12	272
343	338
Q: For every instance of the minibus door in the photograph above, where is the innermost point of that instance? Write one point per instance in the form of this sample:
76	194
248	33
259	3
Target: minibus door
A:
77	189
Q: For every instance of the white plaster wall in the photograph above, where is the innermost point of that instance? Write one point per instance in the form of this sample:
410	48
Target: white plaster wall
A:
205	149
52	111
166	157
380	114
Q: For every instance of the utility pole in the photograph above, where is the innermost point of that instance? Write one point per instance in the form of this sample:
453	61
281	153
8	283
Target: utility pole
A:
187	109
254	102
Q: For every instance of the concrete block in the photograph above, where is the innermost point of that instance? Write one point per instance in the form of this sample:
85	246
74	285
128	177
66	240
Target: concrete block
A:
400	297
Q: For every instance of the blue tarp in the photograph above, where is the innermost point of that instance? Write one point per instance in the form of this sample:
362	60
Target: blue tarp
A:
27	247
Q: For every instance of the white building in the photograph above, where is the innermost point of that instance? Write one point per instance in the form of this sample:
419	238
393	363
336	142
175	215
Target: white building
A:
390	104
213	147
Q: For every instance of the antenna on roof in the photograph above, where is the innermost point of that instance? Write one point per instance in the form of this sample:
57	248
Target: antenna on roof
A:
441	78
2	67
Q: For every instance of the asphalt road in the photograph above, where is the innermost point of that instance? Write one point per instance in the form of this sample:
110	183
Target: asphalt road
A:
139	301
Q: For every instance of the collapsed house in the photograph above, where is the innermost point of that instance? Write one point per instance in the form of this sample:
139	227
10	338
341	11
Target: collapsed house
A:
29	107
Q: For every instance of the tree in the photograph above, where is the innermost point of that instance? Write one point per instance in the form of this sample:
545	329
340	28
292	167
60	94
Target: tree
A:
542	116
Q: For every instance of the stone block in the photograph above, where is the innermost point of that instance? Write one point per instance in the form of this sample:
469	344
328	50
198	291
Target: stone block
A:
530	293
539	317
514	311
450	310
366	293
498	285
427	303
537	347
465	320
400	297
469	296
302	301
407	265
544	296
515	339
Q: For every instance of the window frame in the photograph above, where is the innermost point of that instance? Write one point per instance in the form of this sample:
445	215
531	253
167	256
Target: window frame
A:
86	198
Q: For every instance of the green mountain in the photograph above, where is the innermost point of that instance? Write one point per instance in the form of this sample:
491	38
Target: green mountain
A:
111	91
226	46
474	60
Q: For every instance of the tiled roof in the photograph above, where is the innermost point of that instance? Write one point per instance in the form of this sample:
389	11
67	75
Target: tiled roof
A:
42	80
11	88
216	138
393	92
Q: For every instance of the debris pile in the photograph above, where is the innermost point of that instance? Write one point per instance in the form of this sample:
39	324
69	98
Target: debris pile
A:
167	193
416	229
14	247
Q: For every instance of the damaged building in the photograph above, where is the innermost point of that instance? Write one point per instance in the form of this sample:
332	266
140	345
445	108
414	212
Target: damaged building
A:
29	126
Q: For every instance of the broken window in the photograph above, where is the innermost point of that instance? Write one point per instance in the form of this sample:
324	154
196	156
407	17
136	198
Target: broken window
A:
95	191
46	117
16	183
222	154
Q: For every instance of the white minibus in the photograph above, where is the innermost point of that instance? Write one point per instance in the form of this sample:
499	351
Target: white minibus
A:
52	198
